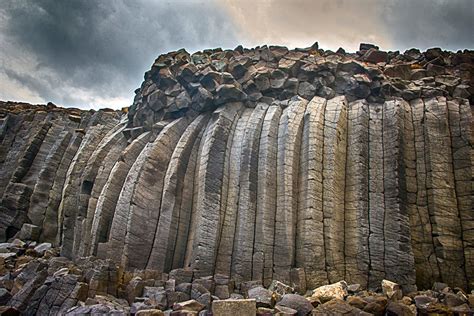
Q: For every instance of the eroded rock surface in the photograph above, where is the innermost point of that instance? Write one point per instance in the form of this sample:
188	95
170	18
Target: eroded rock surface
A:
303	166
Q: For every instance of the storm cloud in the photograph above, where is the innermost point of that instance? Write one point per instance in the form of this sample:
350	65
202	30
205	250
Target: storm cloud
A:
391	24
83	53
93	53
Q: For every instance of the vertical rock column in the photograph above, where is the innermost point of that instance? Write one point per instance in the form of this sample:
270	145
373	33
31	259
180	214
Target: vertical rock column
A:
334	170
442	202
398	255
356	208
461	128
421	228
95	175
51	221
289	144
145	200
376	197
204	235
69	213
186	207
310	227
41	193
230	193
161	257
243	250
266	197
108	198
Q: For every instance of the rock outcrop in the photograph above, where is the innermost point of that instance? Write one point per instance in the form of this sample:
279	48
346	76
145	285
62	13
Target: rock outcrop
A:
260	164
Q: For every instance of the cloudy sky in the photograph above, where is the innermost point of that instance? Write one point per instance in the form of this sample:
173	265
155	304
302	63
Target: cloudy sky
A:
92	54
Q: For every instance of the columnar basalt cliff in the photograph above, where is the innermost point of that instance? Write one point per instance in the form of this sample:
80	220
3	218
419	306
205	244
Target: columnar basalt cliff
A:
260	164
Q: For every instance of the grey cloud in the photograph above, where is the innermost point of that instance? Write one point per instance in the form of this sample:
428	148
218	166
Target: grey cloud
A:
430	23
102	47
392	24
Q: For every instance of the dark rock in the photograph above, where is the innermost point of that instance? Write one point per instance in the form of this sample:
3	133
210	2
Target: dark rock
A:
375	56
5	296
439	286
296	302
277	79
229	93
402	71
366	46
202	100
433	53
397	309
306	90
184	287
326	92
337	307
29	232
452	300
262	296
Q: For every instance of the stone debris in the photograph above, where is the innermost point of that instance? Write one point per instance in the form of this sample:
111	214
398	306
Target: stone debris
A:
52	285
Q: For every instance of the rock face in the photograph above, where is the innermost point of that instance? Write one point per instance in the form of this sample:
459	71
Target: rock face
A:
303	166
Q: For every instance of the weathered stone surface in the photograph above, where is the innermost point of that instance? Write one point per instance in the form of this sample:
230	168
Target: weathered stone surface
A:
226	307
262	296
337	290
289	144
302	166
296	302
392	290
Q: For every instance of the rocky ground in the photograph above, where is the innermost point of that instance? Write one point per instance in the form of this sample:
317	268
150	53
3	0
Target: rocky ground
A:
35	280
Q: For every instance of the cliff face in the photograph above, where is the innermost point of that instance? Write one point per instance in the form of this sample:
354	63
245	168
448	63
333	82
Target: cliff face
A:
260	164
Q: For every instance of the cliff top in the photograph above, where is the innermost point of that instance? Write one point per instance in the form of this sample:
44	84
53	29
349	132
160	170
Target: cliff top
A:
179	82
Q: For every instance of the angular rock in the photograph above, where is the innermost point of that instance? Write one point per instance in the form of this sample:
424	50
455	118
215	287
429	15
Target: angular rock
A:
227	307
333	291
296	302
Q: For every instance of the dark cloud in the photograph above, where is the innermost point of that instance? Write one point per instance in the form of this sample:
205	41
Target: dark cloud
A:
94	53
100	48
430	23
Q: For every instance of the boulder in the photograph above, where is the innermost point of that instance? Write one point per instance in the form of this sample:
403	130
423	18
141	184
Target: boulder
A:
181	275
357	301
376	305
29	232
353	288
149	312
280	288
392	290
398	309
262	297
337	307
42	248
452	300
296	302
246	307
327	292
190	305
285	311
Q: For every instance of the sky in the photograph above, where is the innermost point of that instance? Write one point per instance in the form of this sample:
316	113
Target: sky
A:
93	54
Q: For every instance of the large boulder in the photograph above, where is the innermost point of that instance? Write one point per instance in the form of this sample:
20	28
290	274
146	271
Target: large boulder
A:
245	307
332	291
296	302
